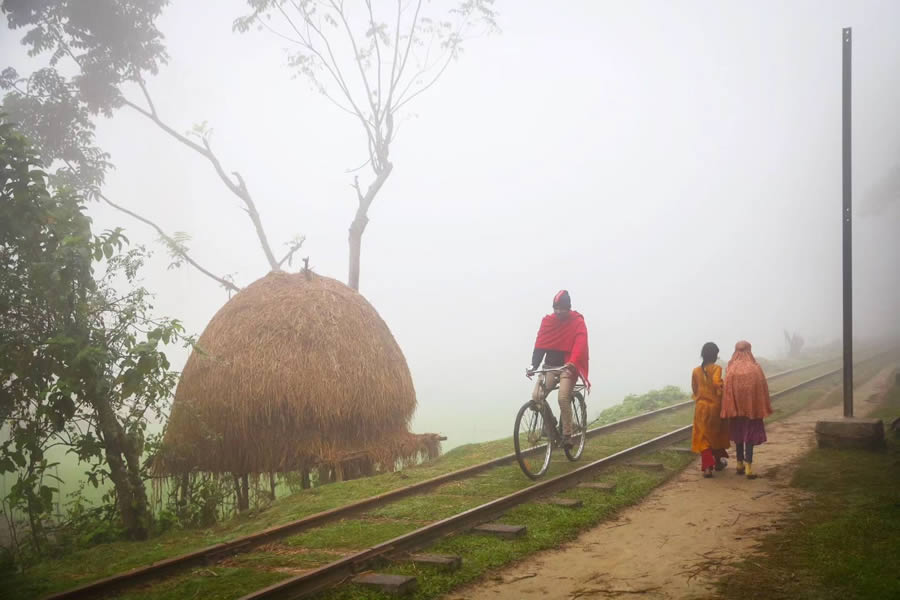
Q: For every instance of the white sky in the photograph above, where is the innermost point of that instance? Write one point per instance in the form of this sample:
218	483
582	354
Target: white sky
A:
676	166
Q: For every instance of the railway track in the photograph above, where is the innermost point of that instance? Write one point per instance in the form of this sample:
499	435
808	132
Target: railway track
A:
336	571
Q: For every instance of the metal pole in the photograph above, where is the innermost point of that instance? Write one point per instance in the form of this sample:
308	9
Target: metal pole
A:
847	228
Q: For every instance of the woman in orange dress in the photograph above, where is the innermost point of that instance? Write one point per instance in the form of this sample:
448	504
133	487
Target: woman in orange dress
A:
710	432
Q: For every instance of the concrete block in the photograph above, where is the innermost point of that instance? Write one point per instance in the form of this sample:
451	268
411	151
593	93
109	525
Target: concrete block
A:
850	433
605	486
502	530
447	562
397	585
565	502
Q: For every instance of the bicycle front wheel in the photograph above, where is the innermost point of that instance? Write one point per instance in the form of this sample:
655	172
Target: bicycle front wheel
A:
533	447
579	427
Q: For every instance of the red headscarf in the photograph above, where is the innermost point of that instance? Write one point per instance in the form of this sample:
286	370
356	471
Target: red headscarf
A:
746	389
569	336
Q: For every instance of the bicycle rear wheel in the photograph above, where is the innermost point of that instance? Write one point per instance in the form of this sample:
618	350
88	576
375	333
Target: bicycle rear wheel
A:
579	427
533	447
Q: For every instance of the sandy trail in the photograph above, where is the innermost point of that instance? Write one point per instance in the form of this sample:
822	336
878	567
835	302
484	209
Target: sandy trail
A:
681	539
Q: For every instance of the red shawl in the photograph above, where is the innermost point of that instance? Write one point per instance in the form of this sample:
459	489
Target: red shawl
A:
746	389
569	336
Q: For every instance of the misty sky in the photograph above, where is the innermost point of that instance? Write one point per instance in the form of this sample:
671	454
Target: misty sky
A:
676	166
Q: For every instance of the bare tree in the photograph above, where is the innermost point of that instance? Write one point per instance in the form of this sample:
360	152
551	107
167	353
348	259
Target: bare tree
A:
371	62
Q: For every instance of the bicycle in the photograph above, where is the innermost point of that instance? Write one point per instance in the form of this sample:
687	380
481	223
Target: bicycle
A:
536	431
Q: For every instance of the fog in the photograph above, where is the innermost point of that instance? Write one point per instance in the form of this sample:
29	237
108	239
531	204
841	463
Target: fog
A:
675	166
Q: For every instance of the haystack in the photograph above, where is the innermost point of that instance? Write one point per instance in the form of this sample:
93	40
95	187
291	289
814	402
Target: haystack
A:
294	372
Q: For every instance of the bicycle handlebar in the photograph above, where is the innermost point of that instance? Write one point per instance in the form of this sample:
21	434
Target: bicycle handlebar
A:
547	370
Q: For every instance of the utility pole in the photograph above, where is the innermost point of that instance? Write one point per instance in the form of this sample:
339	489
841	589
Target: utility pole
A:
846	219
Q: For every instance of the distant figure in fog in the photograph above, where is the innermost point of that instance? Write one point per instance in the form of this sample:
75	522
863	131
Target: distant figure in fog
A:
710	433
745	404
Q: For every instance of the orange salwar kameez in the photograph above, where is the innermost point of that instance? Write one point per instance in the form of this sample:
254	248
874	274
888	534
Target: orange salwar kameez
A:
710	433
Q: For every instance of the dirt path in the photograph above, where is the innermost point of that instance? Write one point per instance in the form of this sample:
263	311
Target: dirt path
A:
678	541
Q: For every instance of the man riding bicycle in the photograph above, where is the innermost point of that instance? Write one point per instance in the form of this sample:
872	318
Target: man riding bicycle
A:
561	342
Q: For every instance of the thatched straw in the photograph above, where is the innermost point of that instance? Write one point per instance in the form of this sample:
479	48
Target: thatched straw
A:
295	370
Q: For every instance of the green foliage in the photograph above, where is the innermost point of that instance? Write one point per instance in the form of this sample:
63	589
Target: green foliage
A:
112	43
634	405
87	524
48	111
46	279
196	502
81	363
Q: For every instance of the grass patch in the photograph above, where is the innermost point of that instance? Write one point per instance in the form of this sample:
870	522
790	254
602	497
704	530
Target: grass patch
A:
354	534
436	505
845	541
275	556
215	583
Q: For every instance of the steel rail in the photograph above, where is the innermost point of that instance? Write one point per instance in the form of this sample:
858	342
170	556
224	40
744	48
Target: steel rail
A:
802	368
340	570
246	543
335	572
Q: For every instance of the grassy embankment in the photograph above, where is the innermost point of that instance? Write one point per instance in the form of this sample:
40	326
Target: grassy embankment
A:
548	525
843	542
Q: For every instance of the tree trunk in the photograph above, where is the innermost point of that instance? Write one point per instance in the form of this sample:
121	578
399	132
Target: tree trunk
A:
304	479
242	491
183	492
272	484
123	459
34	508
186	488
357	228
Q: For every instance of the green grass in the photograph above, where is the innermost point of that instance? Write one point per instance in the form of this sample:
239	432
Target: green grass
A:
89	564
548	526
275	556
214	583
355	534
437	506
844	543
